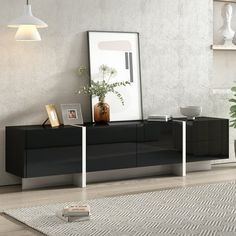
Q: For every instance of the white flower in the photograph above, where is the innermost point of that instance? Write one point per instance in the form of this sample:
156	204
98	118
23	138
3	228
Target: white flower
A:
104	69
113	72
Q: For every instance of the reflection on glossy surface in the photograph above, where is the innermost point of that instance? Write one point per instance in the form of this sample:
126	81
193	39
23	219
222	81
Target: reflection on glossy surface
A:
207	139
156	144
141	143
111	147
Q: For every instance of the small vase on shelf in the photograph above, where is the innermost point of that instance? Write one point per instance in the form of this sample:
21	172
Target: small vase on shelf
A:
101	112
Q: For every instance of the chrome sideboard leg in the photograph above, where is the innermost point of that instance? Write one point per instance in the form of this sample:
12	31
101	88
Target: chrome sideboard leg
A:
83	157
184	141
181	169
80	179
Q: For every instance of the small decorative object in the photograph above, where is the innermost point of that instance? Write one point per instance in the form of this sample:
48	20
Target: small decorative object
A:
74	213
154	117
226	29
100	89
76	210
121	50
60	215
52	115
191	111
72	114
101	112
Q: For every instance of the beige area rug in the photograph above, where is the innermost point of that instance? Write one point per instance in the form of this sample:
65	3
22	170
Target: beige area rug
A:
199	210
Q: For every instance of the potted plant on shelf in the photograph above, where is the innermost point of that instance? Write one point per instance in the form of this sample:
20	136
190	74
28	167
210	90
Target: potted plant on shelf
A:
100	89
233	112
233	108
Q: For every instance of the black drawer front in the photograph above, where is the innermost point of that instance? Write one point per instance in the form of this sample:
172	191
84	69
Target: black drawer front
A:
111	134
111	156
159	158
53	161
54	137
156	144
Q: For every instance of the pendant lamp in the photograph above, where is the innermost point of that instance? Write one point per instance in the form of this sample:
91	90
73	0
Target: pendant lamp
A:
27	25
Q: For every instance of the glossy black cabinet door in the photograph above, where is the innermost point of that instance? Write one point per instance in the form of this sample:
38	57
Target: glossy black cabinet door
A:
53	137
207	139
53	161
15	151
111	147
156	144
33	151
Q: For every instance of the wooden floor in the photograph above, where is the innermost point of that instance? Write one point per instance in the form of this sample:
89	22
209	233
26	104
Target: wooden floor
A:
13	197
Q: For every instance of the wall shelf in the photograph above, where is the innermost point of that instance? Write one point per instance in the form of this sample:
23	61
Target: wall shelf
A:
223	47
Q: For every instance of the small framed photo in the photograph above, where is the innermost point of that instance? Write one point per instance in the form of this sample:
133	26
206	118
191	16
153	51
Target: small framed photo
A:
72	114
52	115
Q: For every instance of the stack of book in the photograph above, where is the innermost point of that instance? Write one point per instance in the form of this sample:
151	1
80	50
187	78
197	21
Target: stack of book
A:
74	213
159	118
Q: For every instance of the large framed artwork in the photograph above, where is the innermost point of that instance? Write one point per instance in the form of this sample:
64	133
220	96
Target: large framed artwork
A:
121	51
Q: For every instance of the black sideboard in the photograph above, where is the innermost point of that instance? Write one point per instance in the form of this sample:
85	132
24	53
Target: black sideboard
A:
34	151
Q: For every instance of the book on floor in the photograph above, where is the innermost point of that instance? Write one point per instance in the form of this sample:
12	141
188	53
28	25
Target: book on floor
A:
76	210
159	117
60	215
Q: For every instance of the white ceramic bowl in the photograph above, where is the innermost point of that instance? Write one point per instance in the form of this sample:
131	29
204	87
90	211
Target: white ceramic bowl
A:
191	111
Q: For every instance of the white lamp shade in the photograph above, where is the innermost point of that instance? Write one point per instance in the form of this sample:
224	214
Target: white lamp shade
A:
27	33
27	19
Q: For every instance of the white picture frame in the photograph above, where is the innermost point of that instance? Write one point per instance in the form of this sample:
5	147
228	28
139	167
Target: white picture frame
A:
121	51
72	114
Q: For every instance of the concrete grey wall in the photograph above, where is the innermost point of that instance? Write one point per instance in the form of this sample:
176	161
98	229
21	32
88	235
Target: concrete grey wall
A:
175	56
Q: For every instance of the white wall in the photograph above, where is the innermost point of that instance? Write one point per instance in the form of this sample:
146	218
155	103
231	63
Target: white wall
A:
175	54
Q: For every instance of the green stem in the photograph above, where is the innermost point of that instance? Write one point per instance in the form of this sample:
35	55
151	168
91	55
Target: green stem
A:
101	99
109	78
